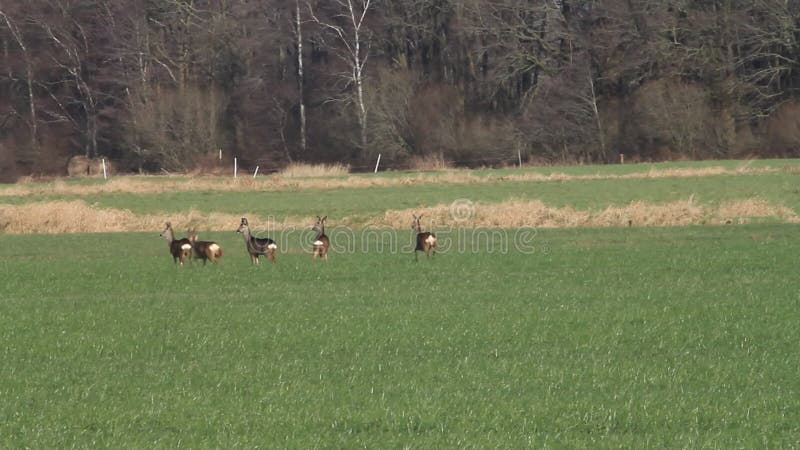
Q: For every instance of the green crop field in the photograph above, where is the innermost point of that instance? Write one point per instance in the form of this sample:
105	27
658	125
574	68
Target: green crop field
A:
640	337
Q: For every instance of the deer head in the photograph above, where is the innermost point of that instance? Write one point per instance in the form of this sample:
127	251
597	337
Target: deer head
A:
167	232
319	225
242	226
415	224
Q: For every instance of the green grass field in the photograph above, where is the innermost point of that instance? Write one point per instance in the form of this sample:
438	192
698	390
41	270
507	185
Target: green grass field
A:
640	337
648	337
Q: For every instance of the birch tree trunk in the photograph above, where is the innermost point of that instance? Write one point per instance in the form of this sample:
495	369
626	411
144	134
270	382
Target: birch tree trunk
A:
300	79
32	118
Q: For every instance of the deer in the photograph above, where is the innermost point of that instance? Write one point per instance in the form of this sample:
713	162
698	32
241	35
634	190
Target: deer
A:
321	242
179	248
205	250
426	241
257	246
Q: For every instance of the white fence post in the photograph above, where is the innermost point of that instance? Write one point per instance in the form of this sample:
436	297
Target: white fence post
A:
378	163
105	176
255	172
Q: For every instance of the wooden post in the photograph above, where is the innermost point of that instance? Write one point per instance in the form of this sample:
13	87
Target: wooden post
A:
378	163
235	167
105	177
255	172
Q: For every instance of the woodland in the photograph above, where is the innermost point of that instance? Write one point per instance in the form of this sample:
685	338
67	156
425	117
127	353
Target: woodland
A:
170	85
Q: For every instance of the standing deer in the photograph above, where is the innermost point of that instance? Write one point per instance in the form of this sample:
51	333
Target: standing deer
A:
321	242
257	246
426	241
179	248
205	250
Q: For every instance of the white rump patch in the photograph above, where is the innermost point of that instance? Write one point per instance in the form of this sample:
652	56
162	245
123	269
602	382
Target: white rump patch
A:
213	247
431	240
186	247
272	246
318	242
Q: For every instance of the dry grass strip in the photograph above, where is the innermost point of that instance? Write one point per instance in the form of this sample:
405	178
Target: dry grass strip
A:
79	217
314	177
296	170
534	213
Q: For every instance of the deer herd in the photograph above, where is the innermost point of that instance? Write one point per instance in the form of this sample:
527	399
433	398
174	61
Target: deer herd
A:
190	247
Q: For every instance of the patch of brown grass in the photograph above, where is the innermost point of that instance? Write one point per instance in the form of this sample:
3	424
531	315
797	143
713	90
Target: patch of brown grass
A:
303	170
68	217
429	162
534	213
78	216
741	211
652	173
321	178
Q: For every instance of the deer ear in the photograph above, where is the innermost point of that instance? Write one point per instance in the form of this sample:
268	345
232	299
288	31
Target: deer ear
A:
414	216
420	216
323	219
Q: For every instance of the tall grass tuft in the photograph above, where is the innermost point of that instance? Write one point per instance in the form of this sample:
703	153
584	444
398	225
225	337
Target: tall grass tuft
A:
429	162
299	170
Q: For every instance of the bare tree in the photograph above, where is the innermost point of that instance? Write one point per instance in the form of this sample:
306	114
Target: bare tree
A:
351	37
518	40
72	63
766	52
29	82
298	29
563	120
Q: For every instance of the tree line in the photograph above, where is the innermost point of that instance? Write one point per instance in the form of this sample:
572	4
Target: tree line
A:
167	84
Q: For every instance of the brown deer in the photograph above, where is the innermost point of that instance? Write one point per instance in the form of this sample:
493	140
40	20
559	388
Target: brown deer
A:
426	241
179	248
205	250
321	242
257	246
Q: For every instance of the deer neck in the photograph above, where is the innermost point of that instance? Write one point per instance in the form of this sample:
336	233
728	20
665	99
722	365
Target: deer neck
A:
246	234
320	232
169	236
